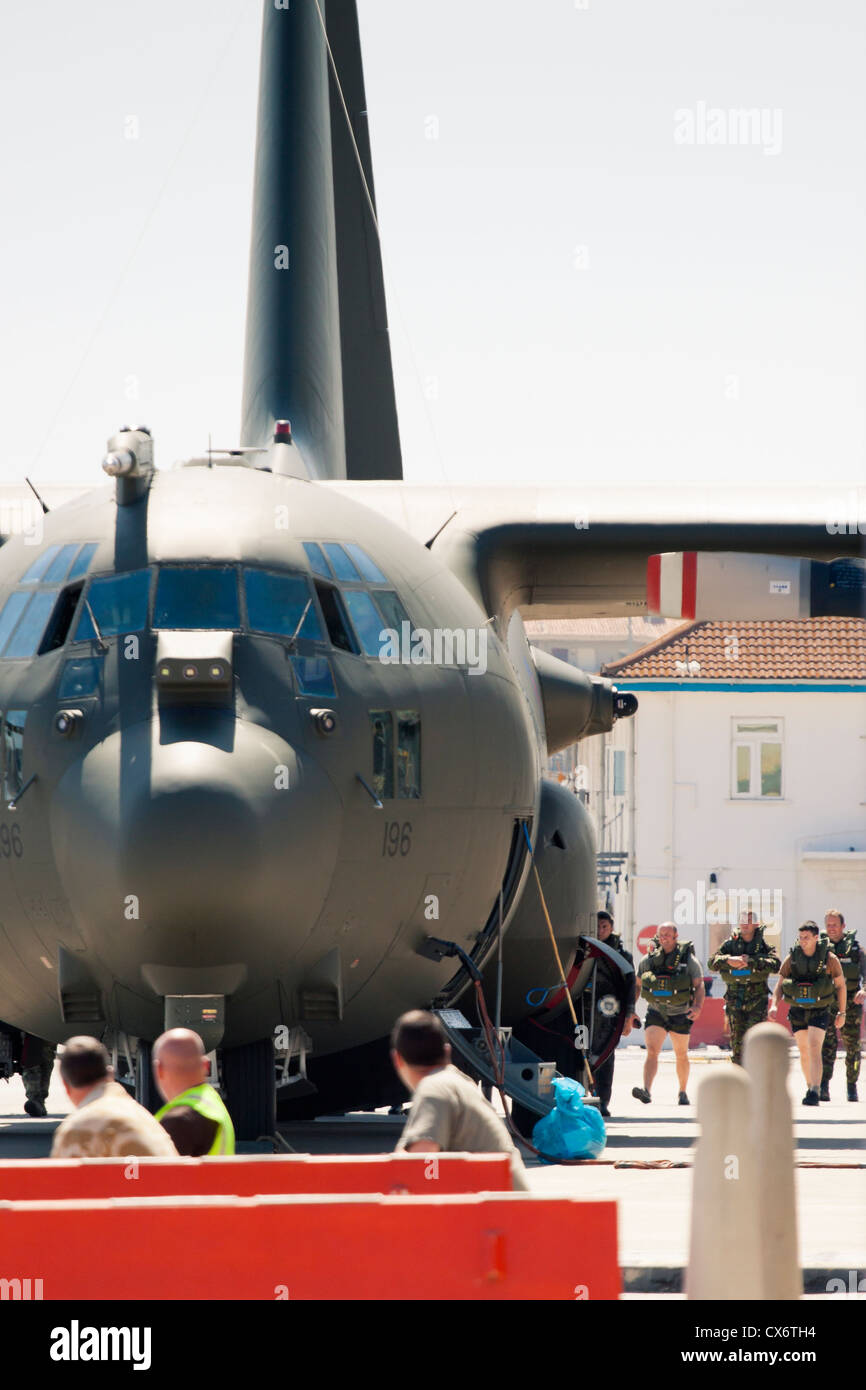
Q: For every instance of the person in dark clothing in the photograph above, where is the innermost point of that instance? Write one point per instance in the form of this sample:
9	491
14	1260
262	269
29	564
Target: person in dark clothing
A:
607	1010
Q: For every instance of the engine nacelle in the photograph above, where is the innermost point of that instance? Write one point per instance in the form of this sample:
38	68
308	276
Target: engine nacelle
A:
576	705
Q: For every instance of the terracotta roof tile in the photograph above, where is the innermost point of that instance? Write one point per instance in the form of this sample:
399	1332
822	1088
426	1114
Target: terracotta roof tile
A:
811	649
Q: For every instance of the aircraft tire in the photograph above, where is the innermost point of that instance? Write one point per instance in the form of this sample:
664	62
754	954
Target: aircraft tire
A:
251	1094
145	1087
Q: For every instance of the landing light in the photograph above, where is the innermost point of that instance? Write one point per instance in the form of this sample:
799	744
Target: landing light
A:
325	720
66	721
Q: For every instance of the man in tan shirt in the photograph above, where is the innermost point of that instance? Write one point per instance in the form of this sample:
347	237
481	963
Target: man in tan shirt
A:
106	1121
448	1112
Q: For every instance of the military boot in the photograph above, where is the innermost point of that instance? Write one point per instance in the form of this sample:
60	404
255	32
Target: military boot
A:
825	1090
852	1090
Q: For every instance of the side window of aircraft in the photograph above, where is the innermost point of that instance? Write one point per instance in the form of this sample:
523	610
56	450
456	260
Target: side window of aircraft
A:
277	603
365	618
382	722
12	610
197	597
28	634
60	624
409	754
314	675
391	609
118	603
80	677
336	621
13	753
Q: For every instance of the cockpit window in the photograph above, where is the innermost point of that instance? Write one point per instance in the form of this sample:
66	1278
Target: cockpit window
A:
365	565
28	634
60	564
119	604
277	603
13	608
197	598
40	565
366	619
391	609
82	561
318	563
336	621
339	561
51	566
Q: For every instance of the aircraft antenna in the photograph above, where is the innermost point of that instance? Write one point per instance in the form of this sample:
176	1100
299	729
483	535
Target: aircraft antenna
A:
41	500
368	195
339	85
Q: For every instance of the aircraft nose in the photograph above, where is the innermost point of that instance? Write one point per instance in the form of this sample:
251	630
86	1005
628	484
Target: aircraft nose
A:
202	835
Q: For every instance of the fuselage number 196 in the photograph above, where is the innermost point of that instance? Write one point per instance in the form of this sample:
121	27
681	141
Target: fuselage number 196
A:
397	838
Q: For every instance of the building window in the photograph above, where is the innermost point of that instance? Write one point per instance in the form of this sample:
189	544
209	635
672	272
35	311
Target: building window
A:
616	772
757	758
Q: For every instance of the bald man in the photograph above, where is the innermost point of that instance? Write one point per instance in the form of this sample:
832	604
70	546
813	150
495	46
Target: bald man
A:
194	1115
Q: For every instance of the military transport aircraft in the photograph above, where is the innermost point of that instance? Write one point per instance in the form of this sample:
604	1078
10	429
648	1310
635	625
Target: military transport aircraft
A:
271	720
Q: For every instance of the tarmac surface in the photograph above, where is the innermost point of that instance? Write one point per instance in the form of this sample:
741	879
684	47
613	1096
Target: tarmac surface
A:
653	1204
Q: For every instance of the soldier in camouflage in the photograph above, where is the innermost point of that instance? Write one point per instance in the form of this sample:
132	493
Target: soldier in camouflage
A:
745	963
37	1064
852	958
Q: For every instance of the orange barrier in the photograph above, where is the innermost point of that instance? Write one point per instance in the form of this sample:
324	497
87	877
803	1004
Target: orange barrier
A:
509	1246
251	1175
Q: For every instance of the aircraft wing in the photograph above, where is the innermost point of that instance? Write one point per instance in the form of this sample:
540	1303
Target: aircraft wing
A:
586	552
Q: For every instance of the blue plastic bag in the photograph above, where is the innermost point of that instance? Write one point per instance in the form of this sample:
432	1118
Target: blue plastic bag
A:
571	1129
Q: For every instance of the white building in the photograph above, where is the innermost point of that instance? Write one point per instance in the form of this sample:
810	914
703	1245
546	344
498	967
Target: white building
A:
741	780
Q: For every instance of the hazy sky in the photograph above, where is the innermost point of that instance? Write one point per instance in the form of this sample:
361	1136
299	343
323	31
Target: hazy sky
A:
595	270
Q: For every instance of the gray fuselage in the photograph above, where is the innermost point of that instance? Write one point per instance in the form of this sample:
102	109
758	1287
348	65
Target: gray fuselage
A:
225	845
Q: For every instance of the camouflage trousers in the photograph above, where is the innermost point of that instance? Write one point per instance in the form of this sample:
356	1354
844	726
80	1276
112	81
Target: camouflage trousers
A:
37	1077
740	1020
849	1036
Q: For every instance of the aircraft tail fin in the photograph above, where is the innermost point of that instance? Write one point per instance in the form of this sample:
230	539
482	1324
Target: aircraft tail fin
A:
317	349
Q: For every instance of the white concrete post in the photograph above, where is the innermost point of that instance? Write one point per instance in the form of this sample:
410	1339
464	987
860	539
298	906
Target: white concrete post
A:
766	1061
724	1248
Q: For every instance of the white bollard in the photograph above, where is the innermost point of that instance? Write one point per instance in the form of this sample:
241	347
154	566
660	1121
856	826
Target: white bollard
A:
724	1248
765	1055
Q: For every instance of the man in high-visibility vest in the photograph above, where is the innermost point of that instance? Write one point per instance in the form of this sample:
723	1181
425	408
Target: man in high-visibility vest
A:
194	1115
